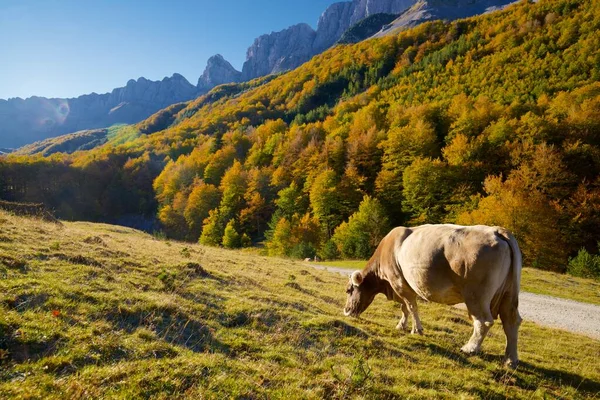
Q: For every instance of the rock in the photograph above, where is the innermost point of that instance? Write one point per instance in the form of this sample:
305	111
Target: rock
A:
332	25
218	71
279	51
339	17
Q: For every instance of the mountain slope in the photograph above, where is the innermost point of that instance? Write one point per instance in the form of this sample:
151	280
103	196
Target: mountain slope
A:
94	310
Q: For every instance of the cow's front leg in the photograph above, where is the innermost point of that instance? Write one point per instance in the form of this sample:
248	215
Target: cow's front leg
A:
409	298
403	324
411	304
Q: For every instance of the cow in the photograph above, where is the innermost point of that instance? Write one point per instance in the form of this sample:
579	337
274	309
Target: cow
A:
448	264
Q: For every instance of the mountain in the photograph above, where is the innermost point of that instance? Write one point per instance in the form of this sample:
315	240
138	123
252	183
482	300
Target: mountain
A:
449	10
279	51
37	118
218	71
366	28
354	20
291	47
339	17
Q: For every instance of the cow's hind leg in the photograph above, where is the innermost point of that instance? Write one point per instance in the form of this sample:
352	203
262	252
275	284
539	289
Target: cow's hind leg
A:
403	324
482	322
511	320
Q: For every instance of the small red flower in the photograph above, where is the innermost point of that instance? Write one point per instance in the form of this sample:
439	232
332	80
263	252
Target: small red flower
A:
55	313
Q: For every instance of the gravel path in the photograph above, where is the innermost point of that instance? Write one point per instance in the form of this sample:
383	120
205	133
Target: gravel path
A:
569	315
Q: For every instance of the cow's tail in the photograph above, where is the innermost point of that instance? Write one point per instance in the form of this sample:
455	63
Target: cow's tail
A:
510	288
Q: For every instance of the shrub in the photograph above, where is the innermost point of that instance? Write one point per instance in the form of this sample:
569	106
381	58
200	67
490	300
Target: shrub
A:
584	265
303	250
329	251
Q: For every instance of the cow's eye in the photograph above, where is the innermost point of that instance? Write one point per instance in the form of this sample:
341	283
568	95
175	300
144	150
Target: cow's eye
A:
349	290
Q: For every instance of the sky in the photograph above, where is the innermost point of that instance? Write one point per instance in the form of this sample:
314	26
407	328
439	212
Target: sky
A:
66	48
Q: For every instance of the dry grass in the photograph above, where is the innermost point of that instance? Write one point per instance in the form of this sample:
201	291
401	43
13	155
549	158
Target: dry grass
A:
91	310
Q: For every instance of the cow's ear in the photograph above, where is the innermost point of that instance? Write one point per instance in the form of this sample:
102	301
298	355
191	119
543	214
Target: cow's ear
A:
356	278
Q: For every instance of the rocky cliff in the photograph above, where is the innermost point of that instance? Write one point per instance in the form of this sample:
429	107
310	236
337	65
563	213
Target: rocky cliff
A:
218	71
279	51
36	118
287	49
430	10
339	17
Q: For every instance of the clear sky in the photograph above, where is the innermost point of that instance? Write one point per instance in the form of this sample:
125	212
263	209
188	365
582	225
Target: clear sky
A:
66	48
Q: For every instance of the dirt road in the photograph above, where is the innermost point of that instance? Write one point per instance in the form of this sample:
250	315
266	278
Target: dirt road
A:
554	312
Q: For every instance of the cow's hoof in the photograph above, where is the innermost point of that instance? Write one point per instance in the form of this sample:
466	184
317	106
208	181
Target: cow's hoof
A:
402	326
470	349
512	364
416	332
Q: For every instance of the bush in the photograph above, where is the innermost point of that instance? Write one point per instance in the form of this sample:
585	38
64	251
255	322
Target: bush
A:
303	250
329	251
584	265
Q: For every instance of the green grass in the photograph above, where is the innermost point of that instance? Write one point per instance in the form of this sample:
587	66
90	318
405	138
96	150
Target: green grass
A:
98	311
532	280
120	134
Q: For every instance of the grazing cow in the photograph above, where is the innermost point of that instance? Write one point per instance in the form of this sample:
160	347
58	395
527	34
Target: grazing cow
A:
447	264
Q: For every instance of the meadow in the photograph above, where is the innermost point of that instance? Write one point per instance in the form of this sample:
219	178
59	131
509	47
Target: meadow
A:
100	311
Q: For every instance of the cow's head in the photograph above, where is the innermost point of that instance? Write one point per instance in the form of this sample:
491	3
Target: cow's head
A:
361	291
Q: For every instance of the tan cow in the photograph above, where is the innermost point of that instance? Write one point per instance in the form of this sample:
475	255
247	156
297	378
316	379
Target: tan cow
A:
447	264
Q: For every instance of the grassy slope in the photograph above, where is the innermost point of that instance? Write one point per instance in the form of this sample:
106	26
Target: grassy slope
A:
532	280
90	310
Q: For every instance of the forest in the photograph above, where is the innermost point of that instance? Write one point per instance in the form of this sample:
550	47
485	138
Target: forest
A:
488	120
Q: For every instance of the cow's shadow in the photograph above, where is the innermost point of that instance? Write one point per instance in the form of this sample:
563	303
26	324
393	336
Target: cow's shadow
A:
582	384
528	375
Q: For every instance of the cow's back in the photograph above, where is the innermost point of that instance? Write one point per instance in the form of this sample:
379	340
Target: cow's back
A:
440	261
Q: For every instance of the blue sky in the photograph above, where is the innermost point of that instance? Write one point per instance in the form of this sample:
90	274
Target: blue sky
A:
65	48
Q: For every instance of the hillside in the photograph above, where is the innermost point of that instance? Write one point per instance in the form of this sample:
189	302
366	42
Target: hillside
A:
492	119
93	310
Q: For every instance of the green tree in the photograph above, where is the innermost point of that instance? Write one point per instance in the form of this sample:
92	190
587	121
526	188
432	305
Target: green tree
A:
212	231
231	238
203	198
359	237
280	243
325	200
428	187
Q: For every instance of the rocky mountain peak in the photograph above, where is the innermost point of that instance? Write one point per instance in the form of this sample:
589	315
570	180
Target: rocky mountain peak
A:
217	72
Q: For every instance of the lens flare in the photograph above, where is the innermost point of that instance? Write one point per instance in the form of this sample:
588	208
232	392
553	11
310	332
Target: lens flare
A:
54	112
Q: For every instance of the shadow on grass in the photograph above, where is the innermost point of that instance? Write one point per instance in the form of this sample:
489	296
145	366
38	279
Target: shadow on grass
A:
560	378
529	376
433	348
172	326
